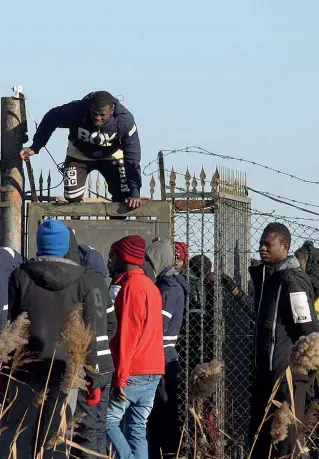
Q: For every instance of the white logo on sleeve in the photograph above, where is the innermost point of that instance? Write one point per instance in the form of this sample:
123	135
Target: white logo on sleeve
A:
114	290
131	132
300	307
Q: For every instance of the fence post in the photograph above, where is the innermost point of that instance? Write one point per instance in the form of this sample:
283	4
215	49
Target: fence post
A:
160	158
13	135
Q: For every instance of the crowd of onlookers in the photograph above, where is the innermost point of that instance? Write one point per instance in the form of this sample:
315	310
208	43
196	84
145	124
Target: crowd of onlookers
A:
132	308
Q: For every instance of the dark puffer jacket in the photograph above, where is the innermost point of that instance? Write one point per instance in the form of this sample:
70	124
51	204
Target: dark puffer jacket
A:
47	289
284	312
94	263
105	314
9	261
173	288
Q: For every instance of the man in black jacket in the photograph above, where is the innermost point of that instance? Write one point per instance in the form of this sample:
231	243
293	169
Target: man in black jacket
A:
91	432
47	288
284	312
9	261
102	136
164	441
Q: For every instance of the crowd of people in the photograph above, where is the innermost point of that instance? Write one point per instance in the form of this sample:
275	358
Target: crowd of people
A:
131	363
134	307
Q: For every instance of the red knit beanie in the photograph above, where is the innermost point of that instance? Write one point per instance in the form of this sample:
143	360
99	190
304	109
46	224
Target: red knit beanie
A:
181	251
131	249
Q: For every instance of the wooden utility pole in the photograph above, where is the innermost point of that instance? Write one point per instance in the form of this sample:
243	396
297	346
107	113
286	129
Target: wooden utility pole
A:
13	136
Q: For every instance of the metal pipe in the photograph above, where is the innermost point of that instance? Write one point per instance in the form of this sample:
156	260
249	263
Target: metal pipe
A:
160	158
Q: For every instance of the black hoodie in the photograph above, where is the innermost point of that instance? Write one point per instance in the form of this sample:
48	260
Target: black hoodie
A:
47	289
105	315
284	312
119	132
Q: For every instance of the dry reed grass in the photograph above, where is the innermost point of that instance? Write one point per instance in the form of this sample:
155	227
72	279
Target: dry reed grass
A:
282	419
311	417
14	337
203	380
305	354
78	338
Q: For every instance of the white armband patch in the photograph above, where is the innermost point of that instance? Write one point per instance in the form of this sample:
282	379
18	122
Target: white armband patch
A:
114	290
131	132
300	307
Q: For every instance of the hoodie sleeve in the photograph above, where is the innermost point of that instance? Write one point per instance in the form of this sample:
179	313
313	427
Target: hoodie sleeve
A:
173	305
89	317
111	317
64	116
132	154
244	301
301	312
13	296
130	329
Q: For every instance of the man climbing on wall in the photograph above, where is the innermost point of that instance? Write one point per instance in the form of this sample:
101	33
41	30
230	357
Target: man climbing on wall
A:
102	136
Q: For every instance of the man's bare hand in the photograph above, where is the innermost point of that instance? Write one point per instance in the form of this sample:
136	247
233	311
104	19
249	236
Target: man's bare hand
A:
119	394
26	153
133	203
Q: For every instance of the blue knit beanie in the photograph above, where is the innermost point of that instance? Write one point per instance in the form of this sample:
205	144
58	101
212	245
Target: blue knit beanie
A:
53	239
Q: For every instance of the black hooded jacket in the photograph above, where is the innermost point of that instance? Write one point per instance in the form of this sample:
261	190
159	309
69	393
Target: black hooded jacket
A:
47	289
119	132
284	312
106	322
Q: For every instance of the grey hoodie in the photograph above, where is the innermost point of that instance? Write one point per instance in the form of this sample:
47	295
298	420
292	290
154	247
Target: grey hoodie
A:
161	256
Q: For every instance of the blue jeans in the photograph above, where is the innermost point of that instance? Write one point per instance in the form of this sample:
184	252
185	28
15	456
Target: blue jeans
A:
132	442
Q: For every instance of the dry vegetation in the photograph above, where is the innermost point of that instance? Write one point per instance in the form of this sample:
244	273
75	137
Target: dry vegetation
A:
202	384
13	355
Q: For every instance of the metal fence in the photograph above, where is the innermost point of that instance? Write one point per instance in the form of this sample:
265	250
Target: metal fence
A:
216	220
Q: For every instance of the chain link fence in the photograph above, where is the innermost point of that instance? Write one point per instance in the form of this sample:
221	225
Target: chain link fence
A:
223	242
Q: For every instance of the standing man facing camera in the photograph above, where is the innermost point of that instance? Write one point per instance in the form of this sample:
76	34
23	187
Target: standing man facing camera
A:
102	136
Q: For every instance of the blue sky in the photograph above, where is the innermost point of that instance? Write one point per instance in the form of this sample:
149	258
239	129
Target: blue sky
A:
235	77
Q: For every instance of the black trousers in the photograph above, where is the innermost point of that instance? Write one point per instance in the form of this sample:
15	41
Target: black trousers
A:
25	411
91	431
164	427
261	393
76	172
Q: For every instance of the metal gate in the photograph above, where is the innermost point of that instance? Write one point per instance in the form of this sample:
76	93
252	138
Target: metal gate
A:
215	223
97	223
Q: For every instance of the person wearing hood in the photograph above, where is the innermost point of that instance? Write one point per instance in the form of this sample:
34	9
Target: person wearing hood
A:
102	136
165	440
9	260
284	302
47	288
90	433
180	257
308	256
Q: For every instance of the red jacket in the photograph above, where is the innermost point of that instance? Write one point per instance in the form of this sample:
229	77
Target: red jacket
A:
137	347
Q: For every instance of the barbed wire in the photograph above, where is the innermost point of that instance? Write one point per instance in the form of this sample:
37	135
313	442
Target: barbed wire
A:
283	202
295	201
273	214
273	197
199	150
